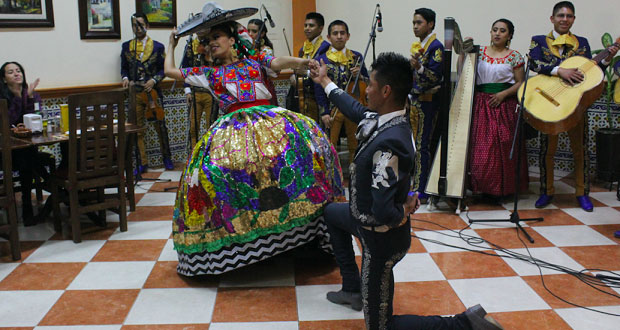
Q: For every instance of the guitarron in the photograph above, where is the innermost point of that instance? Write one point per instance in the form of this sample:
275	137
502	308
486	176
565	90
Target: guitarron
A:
553	106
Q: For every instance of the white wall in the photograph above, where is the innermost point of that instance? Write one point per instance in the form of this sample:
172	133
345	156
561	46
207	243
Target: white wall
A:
530	17
61	59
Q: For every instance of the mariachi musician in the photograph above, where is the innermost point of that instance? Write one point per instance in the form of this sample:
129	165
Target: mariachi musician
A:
343	66
426	59
199	99
314	46
547	52
142	65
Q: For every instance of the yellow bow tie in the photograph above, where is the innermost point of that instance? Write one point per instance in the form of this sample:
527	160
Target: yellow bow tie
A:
308	48
416	48
337	56
565	40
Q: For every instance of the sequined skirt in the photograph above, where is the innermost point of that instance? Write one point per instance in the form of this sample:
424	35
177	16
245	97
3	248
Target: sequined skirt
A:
258	173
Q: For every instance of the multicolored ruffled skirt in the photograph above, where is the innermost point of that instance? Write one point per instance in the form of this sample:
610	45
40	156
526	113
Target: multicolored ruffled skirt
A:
255	186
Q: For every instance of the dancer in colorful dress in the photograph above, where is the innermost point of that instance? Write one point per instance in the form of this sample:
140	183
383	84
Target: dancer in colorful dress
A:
258	180
500	73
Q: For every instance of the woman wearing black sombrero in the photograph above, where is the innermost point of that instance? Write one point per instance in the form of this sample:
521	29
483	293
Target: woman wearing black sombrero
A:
257	181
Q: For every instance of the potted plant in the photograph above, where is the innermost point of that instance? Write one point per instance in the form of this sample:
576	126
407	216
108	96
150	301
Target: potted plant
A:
608	138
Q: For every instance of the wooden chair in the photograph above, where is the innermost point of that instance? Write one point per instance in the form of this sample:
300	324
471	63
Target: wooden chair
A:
95	160
7	196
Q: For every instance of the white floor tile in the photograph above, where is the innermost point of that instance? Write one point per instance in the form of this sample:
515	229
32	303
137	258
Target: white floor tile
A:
40	232
254	326
573	236
137	230
172	306
357	250
551	255
502	215
581	319
312	304
26	308
616	275
499	294
608	198
168	253
112	275
600	215
143	187
268	273
80	327
6	269
526	202
114	217
66	251
171	175
563	188
440	236
417	267
158	199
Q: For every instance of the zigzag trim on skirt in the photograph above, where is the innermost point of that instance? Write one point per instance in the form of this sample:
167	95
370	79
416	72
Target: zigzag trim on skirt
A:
239	255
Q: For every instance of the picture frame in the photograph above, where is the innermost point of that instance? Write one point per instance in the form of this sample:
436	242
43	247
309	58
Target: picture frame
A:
99	19
20	14
160	13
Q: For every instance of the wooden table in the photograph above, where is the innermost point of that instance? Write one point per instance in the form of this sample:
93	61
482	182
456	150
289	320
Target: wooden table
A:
37	140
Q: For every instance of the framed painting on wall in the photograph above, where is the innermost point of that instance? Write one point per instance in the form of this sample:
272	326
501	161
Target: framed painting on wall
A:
26	13
99	19
160	13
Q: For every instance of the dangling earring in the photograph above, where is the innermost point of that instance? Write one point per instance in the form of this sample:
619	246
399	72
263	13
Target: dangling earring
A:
508	44
491	43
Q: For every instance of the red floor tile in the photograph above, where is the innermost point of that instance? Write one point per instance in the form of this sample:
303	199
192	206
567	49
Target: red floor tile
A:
164	275
151	213
257	304
570	289
333	325
42	276
478	265
431	298
507	237
539	320
85	307
130	250
596	257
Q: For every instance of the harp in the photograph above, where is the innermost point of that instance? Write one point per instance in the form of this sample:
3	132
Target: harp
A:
448	169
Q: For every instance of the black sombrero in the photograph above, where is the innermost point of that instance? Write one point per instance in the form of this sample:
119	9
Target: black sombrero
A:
212	14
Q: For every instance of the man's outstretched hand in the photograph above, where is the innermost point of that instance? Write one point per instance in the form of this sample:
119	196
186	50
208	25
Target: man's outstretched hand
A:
318	73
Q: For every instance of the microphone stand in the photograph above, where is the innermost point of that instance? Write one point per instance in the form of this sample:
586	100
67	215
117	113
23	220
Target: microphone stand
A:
372	37
516	145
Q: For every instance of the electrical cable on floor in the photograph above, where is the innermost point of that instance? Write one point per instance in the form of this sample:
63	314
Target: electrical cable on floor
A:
612	280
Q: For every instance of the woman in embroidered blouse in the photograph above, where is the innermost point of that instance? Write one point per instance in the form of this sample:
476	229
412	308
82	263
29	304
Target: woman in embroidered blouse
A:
499	75
258	180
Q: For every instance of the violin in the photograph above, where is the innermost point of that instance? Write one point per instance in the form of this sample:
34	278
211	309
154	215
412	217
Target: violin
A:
154	110
360	90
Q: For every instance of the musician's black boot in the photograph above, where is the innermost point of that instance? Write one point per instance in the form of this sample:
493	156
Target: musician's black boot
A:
168	164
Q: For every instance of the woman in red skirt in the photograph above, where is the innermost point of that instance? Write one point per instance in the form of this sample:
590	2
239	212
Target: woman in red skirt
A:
500	73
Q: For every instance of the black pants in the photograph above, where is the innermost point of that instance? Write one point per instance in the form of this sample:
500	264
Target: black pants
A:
380	253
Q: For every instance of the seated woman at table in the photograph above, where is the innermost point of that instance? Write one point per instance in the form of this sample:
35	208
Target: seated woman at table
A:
258	180
21	99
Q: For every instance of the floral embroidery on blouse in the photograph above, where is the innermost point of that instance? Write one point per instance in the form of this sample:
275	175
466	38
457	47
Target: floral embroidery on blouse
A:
514	58
245	74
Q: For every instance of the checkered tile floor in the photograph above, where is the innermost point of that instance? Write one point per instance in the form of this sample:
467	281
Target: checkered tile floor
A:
115	280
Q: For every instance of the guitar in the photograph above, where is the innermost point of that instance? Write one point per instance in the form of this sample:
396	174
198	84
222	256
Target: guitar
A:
553	106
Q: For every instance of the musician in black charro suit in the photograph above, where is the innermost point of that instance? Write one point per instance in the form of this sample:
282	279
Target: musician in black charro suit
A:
380	200
142	65
547	52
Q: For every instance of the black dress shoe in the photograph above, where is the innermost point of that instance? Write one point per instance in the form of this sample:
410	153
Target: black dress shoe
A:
346	298
479	319
27	215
